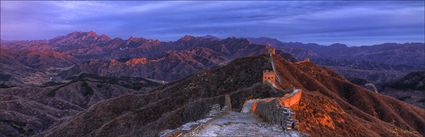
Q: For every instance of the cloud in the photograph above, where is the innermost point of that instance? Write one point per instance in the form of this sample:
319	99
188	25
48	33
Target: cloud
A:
306	21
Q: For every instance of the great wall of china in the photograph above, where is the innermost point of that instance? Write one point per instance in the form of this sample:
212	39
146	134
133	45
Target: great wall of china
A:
275	111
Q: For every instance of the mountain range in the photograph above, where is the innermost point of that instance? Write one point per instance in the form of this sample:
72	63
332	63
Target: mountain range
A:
86	84
376	63
87	52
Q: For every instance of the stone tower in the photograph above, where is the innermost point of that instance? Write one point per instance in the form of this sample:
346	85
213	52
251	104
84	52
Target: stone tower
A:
269	76
271	50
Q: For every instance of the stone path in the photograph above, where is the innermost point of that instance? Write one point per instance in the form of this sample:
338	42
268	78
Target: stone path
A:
242	124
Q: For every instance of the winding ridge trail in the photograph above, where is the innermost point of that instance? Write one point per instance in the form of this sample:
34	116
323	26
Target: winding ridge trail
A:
242	124
245	123
274	68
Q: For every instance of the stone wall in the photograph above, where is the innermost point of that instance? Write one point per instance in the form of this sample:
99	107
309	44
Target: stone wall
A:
273	113
291	99
191	116
257	91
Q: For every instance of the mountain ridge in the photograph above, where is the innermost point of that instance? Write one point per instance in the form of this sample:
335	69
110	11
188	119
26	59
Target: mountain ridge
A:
379	63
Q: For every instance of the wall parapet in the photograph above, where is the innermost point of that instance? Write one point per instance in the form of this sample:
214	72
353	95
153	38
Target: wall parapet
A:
292	98
274	113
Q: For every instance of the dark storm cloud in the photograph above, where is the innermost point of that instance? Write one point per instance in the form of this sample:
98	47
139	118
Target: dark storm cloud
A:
306	21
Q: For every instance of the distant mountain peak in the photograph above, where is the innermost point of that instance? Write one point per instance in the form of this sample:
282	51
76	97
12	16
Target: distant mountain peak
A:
81	34
91	36
91	33
135	61
210	37
265	41
187	38
135	40
338	45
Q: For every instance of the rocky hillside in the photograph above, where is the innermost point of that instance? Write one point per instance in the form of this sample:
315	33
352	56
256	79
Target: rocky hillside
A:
376	63
25	111
331	105
32	66
412	81
410	88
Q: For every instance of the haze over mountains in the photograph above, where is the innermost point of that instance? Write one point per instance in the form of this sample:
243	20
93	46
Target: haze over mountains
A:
139	86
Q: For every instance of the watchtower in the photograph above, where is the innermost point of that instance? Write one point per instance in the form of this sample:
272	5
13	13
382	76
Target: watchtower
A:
271	50
269	76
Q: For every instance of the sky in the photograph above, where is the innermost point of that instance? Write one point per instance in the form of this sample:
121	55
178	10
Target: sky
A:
324	22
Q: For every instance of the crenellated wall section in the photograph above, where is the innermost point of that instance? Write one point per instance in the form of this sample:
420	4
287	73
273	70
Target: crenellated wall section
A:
291	99
274	113
275	110
272	77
